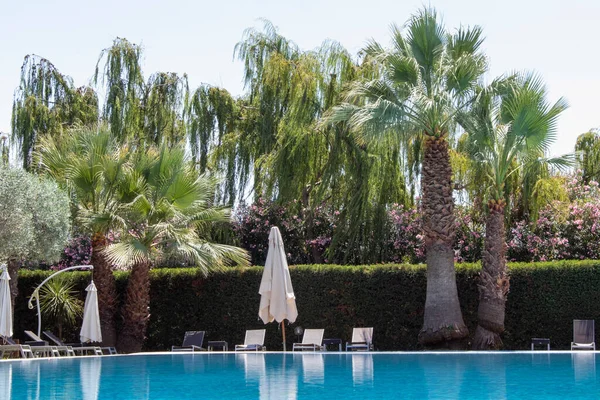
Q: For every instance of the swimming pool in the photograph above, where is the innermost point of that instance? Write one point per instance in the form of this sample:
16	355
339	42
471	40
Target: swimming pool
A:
543	375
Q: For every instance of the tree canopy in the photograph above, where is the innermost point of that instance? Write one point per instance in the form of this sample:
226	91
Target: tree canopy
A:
34	215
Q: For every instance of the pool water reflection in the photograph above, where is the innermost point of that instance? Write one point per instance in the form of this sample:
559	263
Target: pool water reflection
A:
305	376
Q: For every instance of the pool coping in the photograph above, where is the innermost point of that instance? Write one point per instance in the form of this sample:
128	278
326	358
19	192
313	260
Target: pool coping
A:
347	353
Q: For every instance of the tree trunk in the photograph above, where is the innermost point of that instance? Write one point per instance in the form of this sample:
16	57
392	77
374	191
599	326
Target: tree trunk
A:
135	310
494	281
443	322
107	290
309	219
13	271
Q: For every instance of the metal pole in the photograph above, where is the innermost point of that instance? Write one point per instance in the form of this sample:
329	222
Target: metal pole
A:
283	333
36	292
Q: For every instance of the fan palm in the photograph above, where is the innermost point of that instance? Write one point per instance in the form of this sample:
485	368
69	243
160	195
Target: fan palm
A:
510	128
426	76
91	164
169	214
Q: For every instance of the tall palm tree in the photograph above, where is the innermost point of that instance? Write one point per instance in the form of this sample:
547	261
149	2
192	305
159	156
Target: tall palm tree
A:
426	77
90	163
169	213
510	128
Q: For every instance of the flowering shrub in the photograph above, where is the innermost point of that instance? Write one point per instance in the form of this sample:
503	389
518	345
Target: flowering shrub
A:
406	236
470	233
77	252
303	242
308	244
563	230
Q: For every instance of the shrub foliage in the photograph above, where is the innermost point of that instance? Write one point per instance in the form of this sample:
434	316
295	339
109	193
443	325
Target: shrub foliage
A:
545	297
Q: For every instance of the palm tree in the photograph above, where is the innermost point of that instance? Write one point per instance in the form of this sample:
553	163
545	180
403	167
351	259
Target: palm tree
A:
90	163
169	214
510	128
426	77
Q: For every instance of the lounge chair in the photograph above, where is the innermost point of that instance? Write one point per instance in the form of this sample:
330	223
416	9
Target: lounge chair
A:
584	335
254	341
42	348
362	339
312	340
12	348
192	341
77	348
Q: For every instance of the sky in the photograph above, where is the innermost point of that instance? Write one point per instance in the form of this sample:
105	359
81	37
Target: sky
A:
558	39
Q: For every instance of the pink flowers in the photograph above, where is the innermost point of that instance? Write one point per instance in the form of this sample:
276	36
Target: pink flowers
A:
77	252
562	231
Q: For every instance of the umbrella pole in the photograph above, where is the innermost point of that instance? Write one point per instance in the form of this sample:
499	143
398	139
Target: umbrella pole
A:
283	333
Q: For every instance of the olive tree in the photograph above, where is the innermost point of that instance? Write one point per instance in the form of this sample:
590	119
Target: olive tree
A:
35	221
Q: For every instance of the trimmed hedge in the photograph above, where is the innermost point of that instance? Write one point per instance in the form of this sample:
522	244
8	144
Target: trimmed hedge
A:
543	301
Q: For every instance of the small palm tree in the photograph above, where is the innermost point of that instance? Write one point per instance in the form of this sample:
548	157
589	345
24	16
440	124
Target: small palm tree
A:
169	211
426	77
59	303
91	164
510	127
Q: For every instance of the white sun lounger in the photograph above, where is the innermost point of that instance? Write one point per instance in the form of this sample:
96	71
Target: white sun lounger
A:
254	341
312	340
362	339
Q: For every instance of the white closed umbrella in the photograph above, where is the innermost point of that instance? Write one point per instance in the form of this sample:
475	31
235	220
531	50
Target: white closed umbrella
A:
277	301
6	323
90	329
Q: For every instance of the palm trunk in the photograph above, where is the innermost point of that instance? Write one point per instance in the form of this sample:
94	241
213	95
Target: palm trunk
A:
443	322
107	290
494	281
135	310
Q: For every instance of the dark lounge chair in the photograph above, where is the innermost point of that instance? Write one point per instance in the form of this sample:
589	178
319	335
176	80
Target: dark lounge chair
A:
192	341
80	348
42	348
584	335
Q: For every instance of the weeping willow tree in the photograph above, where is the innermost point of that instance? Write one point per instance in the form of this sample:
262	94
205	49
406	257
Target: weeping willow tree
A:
119	73
164	105
146	112
45	103
276	143
212	115
588	146
4	149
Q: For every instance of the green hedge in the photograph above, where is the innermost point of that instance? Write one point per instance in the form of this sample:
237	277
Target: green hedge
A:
544	299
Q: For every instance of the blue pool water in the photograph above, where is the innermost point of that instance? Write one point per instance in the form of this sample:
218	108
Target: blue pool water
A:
306	376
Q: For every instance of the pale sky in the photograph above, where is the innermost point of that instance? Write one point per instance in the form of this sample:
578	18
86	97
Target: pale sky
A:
559	39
